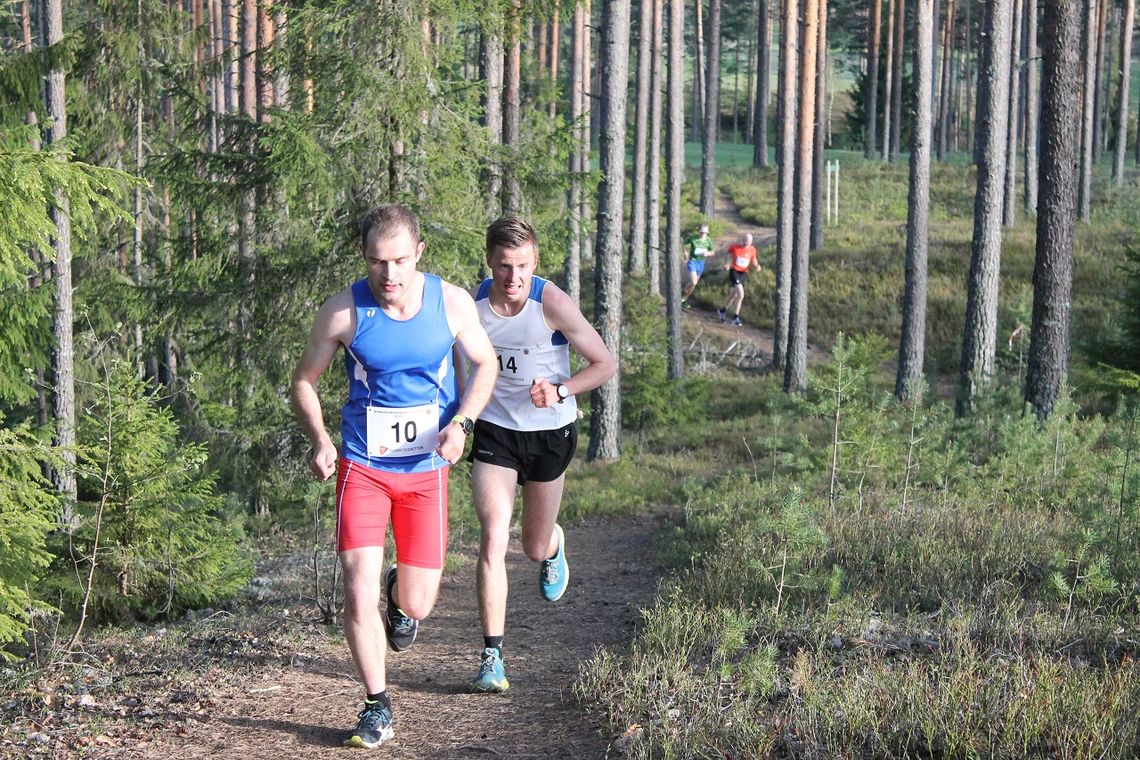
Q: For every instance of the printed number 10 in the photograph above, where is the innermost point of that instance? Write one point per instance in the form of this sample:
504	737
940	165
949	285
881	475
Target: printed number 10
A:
410	431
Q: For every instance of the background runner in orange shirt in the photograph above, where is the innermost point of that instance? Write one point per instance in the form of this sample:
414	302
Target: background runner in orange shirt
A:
741	256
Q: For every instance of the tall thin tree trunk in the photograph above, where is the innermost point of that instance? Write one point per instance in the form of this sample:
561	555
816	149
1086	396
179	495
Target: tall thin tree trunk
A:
1032	115
712	114
1009	212
573	263
736	92
605	418
636	263
587	131
675	178
979	339
1099	76
1122	93
872	106
968	51
555	53
820	129
1084	188
1053	267
512	108
896	93
947	64
889	84
698	116
749	89
785	193
763	88
653	243
491	65
912	344
63	314
795	370
267	35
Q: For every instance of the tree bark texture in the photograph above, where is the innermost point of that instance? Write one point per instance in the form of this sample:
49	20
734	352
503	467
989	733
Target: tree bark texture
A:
1123	92
785	194
491	70
1032	109
512	109
795	369
63	313
912	344
896	91
653	200
979	337
573	263
946	68
249	59
763	88
1009	207
820	129
675	178
605	420
1100	77
1084	189
587	130
698	116
712	114
636	264
872	108
1053	266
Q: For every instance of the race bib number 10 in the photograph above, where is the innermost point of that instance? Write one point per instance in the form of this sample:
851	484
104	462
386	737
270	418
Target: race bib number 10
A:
402	432
517	364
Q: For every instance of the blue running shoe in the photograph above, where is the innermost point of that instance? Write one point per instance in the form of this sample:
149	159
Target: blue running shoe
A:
373	728
554	573
491	678
400	629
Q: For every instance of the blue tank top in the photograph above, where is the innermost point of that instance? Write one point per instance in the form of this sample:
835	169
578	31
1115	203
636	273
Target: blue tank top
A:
401	383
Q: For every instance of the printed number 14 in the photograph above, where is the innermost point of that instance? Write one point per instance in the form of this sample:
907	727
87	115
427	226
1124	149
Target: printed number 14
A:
510	364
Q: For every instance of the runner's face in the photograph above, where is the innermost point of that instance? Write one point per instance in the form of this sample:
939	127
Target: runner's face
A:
391	265
511	270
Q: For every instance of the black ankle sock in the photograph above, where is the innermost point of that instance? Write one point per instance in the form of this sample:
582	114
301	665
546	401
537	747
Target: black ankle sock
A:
381	697
494	642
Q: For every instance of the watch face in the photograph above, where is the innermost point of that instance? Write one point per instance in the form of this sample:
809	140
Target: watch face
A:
468	425
563	391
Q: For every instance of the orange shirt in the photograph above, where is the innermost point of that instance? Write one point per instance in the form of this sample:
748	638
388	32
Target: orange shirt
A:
741	257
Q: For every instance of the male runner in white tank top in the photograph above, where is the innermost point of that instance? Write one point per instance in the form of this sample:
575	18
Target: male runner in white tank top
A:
527	433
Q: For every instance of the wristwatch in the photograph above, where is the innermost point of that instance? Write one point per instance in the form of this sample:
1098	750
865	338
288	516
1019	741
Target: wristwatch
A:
563	392
466	423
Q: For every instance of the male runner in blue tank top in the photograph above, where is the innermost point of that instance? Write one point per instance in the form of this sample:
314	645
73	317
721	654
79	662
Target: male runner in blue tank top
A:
527	433
401	428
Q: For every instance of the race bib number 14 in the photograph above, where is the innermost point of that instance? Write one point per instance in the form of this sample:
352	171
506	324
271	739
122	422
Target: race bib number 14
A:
402	432
517	364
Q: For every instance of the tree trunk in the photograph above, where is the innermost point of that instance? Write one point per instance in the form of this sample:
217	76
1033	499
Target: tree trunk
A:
1032	115
555	49
587	132
653	243
820	129
573	263
491	71
736	92
912	344
267	35
605	419
763	88
1084	189
795	369
249	59
512	73
872	106
889	82
712	114
636	264
675	178
968	49
63	314
698	116
1053	266
979	337
785	193
749	88
1009	212
1123	92
944	92
1100	75
896	93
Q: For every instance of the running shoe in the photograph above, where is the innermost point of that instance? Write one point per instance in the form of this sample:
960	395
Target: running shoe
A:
400	628
373	727
721	314
491	678
737	322
686	306
554	573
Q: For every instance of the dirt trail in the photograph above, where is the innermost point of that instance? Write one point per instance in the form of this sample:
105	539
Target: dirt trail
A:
304	710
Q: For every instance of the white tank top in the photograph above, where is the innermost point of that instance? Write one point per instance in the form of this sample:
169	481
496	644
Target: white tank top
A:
527	348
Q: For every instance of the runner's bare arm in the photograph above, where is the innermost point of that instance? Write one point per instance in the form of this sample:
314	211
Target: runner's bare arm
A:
473	343
563	314
332	325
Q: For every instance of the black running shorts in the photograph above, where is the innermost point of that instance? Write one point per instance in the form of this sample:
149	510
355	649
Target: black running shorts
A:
737	278
538	455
